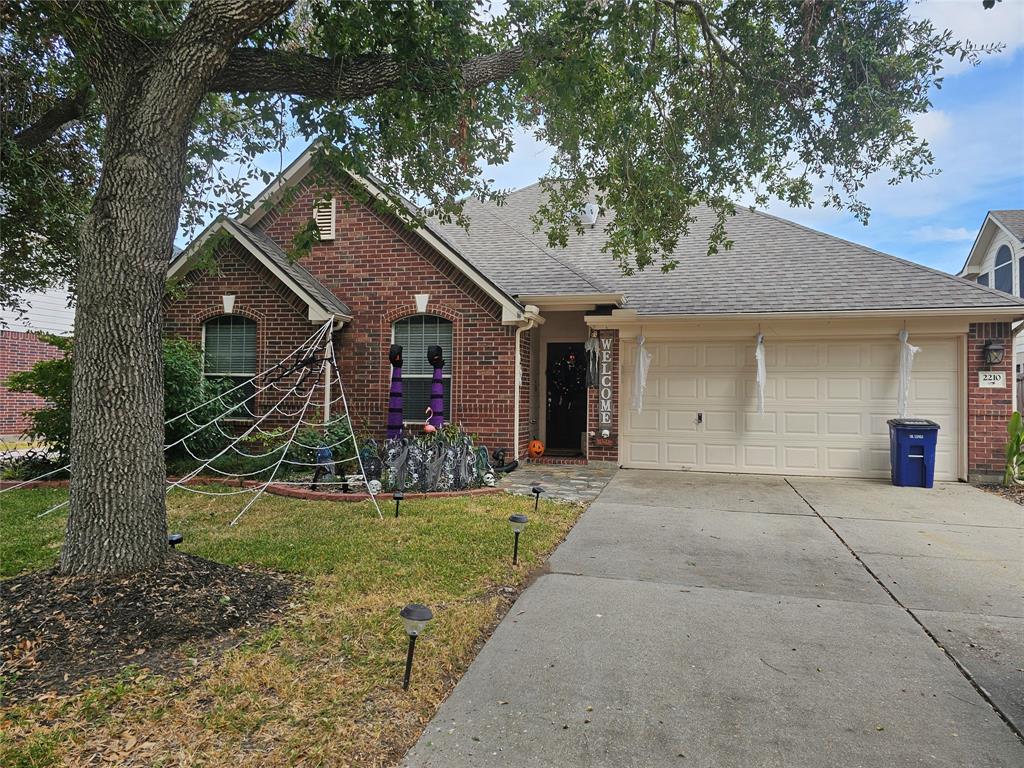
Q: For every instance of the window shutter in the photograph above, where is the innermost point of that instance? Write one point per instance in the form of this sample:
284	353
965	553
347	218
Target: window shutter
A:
323	215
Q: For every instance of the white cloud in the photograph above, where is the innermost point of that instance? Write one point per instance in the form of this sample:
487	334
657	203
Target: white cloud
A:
932	234
968	20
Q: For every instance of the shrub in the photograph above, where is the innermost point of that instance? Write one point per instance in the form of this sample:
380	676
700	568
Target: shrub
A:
1014	450
185	387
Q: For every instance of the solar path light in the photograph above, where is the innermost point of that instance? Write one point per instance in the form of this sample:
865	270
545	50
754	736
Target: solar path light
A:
518	522
174	539
537	491
415	618
398	500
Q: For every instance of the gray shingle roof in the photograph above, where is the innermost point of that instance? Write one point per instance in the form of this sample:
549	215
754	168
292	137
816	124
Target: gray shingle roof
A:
1013	220
774	266
295	271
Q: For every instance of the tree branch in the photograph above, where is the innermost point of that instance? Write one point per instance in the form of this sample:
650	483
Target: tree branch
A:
299	74
52	120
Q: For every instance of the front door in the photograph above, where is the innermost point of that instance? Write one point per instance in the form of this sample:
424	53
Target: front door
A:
566	416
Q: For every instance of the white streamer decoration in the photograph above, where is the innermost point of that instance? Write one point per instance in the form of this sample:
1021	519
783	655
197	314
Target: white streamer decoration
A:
761	372
907	352
643	364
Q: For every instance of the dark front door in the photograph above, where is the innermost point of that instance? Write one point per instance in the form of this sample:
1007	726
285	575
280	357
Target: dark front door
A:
567	397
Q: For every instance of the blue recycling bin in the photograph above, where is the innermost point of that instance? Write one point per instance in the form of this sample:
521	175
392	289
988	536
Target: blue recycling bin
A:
912	452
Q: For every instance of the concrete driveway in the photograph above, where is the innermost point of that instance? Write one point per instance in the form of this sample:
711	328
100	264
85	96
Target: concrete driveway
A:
731	620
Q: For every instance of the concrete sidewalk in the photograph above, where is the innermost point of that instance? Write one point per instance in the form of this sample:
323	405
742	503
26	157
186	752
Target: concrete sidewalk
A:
714	620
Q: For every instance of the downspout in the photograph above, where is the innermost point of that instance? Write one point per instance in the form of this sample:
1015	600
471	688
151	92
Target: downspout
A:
532	318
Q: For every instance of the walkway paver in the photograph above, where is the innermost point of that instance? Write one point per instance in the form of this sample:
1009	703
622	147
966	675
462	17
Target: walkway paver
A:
701	620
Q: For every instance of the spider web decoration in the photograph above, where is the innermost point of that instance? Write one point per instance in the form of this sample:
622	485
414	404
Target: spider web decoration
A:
305	381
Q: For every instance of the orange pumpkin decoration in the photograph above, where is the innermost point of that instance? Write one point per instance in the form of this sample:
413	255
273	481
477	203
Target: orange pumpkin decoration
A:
535	449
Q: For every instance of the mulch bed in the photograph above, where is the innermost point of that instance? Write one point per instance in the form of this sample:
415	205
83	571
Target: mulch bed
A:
56	631
1013	493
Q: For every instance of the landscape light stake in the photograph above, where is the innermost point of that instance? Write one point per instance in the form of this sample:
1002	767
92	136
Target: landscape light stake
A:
415	617
518	522
174	539
398	500
537	491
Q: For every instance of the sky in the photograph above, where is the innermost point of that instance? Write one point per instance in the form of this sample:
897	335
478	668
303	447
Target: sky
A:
975	129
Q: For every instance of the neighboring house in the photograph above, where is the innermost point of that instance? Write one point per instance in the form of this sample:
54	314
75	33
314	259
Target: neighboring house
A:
21	348
997	260
513	315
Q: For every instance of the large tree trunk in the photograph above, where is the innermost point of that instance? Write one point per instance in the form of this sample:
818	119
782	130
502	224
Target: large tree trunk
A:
117	520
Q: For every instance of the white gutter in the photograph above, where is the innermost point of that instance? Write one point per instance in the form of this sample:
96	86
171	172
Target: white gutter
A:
532	319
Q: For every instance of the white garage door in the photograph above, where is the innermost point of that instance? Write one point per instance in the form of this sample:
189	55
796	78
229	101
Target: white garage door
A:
826	406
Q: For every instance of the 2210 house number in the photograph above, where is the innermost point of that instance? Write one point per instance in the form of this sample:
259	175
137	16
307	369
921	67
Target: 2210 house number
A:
992	379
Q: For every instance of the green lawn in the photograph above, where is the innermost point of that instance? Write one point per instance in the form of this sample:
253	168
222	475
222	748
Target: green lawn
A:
324	687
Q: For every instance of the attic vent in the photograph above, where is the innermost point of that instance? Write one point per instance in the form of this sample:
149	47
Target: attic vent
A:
589	213
323	215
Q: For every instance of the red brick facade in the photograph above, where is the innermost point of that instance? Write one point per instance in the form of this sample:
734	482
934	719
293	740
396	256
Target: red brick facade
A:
19	351
376	265
988	410
601	448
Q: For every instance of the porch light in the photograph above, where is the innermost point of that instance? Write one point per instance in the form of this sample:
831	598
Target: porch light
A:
398	496
993	352
415	618
537	491
174	539
518	523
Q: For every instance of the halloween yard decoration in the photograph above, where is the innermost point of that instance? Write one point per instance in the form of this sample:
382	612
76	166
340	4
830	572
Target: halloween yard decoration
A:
324	465
395	397
535	449
435	356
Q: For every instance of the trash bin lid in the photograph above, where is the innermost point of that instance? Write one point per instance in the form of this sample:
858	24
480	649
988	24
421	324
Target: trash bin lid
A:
913	423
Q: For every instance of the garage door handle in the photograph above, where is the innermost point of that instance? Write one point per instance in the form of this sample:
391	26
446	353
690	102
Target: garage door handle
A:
700	418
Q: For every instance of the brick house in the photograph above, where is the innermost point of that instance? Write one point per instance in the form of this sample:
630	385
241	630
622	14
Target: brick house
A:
516	320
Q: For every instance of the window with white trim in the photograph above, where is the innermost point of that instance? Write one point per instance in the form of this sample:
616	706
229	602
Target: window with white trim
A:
416	334
983	278
1003	275
229	355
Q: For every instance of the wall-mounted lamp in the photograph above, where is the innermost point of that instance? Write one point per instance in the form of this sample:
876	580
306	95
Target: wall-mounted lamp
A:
994	351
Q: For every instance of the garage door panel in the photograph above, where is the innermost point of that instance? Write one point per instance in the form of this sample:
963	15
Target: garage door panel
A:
681	452
843	389
760	422
826	407
801	423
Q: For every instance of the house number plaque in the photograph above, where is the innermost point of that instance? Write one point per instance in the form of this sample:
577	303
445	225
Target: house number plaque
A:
604	398
991	379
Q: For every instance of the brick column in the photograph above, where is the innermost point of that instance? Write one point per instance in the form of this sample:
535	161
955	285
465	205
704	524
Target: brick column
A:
988	410
605	448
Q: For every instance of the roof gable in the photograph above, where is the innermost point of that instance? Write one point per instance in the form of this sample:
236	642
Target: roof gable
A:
322	303
299	169
1010	222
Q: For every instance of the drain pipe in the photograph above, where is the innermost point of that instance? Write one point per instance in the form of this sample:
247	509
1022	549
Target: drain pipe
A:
531	318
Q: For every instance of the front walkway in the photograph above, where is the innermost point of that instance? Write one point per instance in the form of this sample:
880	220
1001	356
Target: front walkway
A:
565	482
716	620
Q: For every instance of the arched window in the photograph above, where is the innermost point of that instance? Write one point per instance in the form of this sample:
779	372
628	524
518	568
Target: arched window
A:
1004	270
229	353
415	334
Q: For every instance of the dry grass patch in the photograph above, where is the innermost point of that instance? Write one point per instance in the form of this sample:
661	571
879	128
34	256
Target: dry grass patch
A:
323	687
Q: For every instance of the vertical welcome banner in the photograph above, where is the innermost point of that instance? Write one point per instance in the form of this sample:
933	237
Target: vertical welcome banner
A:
604	398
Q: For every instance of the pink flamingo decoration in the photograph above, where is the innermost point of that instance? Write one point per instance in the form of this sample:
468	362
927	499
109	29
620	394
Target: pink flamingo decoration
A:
427	426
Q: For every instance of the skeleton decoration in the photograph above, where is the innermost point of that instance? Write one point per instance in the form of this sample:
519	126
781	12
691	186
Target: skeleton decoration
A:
435	356
593	348
643	365
439	461
761	372
907	352
395	396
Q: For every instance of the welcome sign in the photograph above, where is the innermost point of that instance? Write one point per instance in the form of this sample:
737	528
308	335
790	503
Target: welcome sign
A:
604	399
